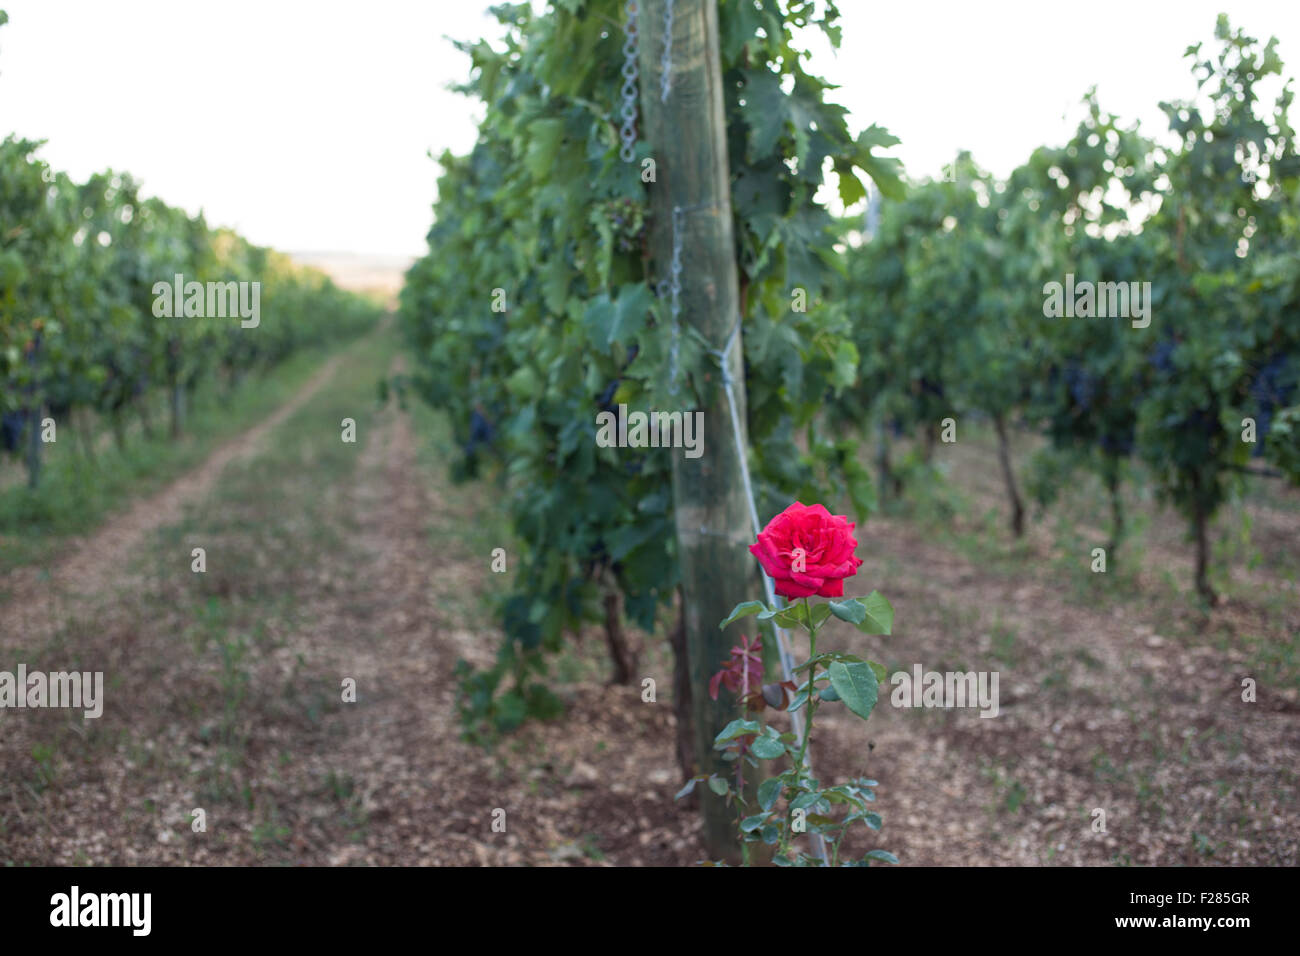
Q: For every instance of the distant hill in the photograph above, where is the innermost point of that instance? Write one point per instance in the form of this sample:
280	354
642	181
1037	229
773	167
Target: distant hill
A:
360	271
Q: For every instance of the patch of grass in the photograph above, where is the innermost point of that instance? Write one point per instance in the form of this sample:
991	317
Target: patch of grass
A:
1005	650
475	524
342	790
262	526
1057	677
590	849
76	494
44	772
269	832
1009	793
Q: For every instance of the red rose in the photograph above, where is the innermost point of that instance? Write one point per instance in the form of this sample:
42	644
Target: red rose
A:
807	551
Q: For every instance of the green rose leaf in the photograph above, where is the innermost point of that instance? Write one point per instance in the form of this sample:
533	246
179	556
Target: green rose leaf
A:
870	615
743	609
765	748
769	791
851	610
856	685
792	617
880	614
737	728
883	856
805	800
750	824
718	785
787	617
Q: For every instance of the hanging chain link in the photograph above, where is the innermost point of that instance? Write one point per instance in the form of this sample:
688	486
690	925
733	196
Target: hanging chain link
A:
666	62
631	73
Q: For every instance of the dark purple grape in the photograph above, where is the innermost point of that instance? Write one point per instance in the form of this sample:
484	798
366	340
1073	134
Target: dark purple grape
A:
607	396
11	429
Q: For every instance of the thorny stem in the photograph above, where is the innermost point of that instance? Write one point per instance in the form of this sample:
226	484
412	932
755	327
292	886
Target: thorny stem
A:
740	764
812	709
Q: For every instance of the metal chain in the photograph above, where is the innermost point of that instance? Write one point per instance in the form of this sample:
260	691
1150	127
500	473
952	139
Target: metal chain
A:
666	62
631	73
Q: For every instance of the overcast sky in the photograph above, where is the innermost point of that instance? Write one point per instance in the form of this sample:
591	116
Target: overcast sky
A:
305	124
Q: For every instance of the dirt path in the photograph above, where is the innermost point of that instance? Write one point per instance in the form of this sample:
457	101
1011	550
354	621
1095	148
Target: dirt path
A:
349	562
91	566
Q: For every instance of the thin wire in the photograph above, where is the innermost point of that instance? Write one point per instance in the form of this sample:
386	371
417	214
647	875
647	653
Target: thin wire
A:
666	61
671	289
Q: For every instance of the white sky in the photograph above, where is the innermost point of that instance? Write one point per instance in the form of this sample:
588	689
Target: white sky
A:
305	124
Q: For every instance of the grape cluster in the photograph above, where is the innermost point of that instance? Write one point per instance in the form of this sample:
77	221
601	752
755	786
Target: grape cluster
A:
1273	388
11	429
628	220
931	388
1201	422
606	399
1081	384
1119	444
1162	356
481	431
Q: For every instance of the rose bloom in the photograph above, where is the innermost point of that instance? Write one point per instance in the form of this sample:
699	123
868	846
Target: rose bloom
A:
827	559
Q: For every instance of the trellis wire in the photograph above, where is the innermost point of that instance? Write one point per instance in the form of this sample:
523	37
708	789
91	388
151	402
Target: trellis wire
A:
666	62
631	73
671	289
675	289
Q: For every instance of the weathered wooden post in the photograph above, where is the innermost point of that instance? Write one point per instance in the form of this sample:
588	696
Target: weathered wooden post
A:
686	131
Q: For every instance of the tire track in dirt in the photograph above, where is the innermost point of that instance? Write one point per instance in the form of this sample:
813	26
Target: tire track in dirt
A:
35	595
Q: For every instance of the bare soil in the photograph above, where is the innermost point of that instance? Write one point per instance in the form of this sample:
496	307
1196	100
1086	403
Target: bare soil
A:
1120	697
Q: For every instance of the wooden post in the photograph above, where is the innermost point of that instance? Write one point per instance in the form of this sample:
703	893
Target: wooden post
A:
687	139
